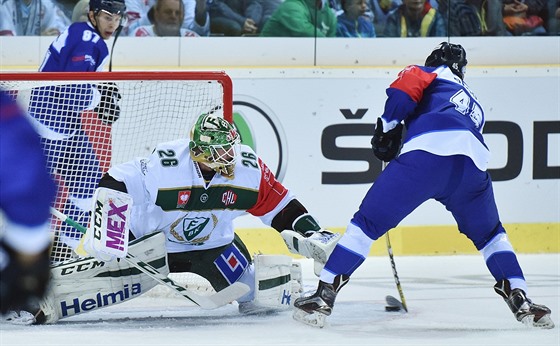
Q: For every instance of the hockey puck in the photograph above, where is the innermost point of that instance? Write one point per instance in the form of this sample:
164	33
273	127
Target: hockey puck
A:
392	308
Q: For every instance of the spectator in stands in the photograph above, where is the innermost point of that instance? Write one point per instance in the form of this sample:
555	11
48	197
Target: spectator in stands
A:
380	10
554	18
268	9
525	17
67	6
168	17
31	18
235	17
80	11
353	22
196	17
474	17
415	18
301	18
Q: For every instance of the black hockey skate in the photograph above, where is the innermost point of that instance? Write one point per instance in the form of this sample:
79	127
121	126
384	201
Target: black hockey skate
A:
314	309
523	308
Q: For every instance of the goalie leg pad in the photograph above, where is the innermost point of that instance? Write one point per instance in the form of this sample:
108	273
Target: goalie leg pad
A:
273	284
86	284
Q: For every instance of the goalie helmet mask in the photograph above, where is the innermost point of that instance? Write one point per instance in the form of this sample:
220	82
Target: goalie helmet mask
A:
214	143
452	55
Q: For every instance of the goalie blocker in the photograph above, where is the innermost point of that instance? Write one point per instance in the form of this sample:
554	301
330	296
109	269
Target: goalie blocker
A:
107	235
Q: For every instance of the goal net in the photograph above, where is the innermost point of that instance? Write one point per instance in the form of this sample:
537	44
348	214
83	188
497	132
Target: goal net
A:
83	136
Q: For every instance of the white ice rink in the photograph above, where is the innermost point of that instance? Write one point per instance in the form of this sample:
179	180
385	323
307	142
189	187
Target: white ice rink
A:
450	300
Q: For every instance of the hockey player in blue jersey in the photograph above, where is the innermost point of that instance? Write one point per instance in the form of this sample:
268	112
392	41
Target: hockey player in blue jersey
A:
26	191
73	119
443	157
82	47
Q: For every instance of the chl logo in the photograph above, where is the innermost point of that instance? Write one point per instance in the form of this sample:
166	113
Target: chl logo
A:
229	197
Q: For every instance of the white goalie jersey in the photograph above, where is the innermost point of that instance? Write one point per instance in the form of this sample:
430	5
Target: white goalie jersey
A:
170	195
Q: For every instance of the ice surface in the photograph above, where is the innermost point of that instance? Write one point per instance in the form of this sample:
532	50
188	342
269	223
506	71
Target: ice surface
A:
450	301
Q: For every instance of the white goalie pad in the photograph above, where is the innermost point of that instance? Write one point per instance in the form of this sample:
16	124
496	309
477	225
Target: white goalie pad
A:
85	284
107	235
277	281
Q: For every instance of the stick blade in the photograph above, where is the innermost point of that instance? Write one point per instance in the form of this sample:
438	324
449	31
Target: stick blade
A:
221	298
393	304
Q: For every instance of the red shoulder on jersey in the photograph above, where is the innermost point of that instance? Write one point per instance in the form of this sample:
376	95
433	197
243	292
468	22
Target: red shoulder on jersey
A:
413	81
271	192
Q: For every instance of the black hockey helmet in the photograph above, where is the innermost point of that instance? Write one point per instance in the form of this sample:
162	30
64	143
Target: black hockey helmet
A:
452	55
110	6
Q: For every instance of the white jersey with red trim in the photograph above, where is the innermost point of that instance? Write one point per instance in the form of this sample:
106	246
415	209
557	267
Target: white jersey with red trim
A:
170	195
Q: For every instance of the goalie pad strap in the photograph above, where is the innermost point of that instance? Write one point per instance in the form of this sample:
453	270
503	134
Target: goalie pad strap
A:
86	284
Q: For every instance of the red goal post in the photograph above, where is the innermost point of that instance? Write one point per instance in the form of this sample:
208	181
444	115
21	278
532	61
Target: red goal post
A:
14	80
81	145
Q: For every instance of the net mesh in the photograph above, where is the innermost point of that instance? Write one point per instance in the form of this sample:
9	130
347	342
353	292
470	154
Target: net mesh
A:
86	126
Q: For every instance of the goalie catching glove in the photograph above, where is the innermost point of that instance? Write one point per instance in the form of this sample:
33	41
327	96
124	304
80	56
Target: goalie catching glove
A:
310	241
107	235
108	109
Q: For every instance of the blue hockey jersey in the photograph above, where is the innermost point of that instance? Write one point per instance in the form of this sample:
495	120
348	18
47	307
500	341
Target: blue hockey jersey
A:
78	49
441	114
26	188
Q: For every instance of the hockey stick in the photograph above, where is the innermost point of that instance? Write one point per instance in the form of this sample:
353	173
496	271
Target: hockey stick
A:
117	33
393	304
221	298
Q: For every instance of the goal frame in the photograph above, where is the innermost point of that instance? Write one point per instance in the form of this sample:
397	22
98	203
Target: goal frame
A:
220	76
214	77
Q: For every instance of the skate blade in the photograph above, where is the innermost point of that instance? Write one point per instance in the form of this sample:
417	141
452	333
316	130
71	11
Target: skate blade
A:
544	322
314	319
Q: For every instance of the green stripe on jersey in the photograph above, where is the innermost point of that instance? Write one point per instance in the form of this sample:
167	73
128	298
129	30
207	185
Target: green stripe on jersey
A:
197	198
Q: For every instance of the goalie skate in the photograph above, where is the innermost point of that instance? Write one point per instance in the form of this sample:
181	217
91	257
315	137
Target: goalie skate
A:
22	317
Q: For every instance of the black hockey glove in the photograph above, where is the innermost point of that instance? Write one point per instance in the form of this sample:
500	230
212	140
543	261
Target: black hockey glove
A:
23	280
386	145
108	109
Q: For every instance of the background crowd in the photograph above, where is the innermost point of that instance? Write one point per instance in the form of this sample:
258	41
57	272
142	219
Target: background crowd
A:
296	18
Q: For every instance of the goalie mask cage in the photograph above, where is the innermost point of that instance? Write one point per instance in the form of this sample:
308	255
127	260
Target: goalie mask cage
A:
82	140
